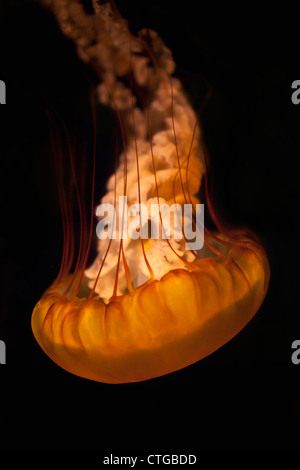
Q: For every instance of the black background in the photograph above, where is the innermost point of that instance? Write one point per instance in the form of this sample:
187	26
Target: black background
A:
245	395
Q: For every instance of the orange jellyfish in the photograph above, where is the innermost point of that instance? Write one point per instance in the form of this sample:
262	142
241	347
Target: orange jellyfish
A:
148	305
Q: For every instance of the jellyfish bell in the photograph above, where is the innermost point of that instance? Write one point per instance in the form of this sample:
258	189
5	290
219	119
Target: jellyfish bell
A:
146	306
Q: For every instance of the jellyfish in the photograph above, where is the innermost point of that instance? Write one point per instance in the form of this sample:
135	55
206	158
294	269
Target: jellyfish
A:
149	305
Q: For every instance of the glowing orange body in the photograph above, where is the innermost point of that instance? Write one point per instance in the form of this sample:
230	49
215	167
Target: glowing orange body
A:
162	326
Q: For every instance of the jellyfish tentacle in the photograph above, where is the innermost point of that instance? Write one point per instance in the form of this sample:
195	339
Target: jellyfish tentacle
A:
76	290
184	261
